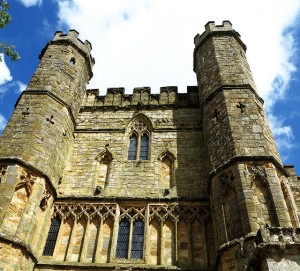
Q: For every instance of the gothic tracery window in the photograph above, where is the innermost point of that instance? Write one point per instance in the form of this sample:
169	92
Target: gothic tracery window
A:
139	140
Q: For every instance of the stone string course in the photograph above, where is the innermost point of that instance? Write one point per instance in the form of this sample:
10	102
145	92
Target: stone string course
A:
204	181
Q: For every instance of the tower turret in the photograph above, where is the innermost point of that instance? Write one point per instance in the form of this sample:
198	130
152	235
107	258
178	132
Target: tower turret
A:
35	145
41	127
246	173
235	124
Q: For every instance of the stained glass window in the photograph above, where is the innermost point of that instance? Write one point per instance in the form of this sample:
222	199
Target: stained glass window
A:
52	237
123	239
132	147
144	149
137	243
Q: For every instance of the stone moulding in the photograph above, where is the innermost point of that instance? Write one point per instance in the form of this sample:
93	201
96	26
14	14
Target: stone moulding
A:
17	161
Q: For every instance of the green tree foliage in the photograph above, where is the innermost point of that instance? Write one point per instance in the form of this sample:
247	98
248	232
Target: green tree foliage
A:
5	18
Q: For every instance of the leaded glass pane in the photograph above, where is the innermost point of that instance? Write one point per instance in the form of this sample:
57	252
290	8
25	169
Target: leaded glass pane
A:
123	240
144	147
52	237
137	240
132	147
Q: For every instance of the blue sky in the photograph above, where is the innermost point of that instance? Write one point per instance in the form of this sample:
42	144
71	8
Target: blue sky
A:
150	43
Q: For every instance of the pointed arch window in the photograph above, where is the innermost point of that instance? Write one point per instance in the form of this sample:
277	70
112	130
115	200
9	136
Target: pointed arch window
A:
139	140
144	148
132	147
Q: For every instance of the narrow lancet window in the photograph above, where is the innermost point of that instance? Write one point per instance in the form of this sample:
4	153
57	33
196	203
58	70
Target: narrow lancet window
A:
137	240
132	147
144	149
123	240
139	138
52	237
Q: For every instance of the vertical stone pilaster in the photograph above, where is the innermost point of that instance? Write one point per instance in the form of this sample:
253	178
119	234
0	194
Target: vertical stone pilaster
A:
248	211
86	238
99	243
279	203
71	241
115	235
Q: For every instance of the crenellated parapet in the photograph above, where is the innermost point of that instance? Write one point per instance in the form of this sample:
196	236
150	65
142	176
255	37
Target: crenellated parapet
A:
225	29
72	38
142	97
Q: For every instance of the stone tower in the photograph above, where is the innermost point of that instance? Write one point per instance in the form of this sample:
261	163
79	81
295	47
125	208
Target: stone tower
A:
168	181
37	139
246	176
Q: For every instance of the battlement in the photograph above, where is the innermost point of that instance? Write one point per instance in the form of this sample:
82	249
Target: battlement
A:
212	29
72	38
142	97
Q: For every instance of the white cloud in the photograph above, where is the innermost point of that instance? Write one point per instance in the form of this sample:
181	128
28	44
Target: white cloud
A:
283	134
4	72
139	43
16	86
20	86
30	3
150	43
3	122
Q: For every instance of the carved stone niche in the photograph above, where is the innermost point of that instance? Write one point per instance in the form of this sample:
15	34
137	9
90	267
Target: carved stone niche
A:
227	182
27	180
257	172
45	199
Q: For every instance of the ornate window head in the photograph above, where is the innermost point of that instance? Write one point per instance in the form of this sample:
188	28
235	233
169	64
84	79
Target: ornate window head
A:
139	138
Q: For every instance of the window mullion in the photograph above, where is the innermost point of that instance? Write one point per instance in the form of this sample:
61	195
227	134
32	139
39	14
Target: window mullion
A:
138	147
130	239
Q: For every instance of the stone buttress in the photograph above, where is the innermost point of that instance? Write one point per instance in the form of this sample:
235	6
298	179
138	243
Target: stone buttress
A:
247	178
141	181
35	145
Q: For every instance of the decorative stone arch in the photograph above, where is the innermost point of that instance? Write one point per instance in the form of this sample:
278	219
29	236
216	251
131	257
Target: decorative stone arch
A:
142	117
289	200
104	159
19	201
167	169
139	131
230	206
264	206
26	181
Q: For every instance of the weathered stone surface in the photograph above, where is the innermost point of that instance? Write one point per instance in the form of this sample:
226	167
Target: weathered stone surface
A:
168	181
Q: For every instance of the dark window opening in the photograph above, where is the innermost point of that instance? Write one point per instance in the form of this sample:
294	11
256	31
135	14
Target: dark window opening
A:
52	237
132	147
123	240
137	240
144	149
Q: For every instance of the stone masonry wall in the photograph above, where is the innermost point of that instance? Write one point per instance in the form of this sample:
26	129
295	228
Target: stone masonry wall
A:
12	258
25	206
35	132
220	59
231	131
175	131
65	69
